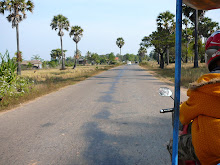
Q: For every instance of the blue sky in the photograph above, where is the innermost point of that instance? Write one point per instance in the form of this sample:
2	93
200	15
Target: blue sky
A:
103	22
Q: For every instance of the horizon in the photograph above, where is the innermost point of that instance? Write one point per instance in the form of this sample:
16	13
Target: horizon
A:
103	23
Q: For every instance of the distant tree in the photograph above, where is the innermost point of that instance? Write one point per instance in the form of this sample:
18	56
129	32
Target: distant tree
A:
103	59
160	41
120	57
17	9
44	64
129	57
36	57
111	57
77	33
142	53
70	61
120	43
137	59
95	58
56	54
60	23
29	65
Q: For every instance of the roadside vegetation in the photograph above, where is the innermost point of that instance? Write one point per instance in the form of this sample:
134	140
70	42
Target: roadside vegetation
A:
33	83
162	40
188	73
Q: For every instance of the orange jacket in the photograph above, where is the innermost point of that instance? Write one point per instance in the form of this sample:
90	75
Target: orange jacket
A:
203	107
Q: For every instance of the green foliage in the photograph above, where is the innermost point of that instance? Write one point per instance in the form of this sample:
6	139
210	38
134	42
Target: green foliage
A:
142	53
77	33
56	54
153	55
17	9
70	61
207	27
7	68
103	59
44	64
53	64
111	57
137	59
10	83
95	58
29	65
60	22
129	57
163	38
37	57
120	42
18	56
190	13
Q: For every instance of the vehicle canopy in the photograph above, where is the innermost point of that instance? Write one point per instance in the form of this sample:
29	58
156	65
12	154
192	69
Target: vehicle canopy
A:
203	4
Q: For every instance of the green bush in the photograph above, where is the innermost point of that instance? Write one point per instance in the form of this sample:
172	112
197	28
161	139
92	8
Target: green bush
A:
7	67
53	64
10	83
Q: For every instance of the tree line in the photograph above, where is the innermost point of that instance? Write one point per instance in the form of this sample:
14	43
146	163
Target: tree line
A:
197	28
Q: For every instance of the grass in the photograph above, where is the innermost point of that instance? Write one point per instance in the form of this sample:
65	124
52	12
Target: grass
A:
49	80
188	73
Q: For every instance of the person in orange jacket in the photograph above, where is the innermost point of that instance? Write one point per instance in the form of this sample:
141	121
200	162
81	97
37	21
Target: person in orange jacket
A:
202	112
203	107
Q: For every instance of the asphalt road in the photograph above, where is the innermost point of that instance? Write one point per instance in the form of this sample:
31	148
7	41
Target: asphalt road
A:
110	119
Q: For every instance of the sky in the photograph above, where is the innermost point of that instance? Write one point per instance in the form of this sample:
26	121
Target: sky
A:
103	22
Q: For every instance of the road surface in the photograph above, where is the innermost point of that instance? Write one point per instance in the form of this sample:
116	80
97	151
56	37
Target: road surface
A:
110	119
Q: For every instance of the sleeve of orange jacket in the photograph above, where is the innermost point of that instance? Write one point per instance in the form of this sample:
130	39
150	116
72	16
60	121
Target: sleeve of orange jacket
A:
189	110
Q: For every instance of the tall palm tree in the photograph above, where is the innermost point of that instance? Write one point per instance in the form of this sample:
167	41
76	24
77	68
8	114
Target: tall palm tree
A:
60	23
194	16
17	10
120	43
165	22
77	33
142	52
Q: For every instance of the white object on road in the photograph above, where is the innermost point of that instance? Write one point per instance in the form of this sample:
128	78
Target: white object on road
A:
128	62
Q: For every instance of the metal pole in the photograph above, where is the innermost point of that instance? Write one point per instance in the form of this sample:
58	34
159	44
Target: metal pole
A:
196	65
177	81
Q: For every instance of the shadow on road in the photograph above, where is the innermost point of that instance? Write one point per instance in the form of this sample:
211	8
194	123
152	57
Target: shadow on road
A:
136	142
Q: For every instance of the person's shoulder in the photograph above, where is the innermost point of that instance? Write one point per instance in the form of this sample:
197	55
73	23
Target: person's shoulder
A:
210	78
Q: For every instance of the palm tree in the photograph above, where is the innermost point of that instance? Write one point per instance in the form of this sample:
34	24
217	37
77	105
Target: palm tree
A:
194	16
142	52
165	21
60	22
77	33
17	9
120	43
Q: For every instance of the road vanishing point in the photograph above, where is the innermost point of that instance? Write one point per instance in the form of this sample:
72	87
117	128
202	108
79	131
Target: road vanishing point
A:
110	119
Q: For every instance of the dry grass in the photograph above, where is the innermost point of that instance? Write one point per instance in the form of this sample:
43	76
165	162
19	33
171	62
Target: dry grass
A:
188	73
45	75
47	81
